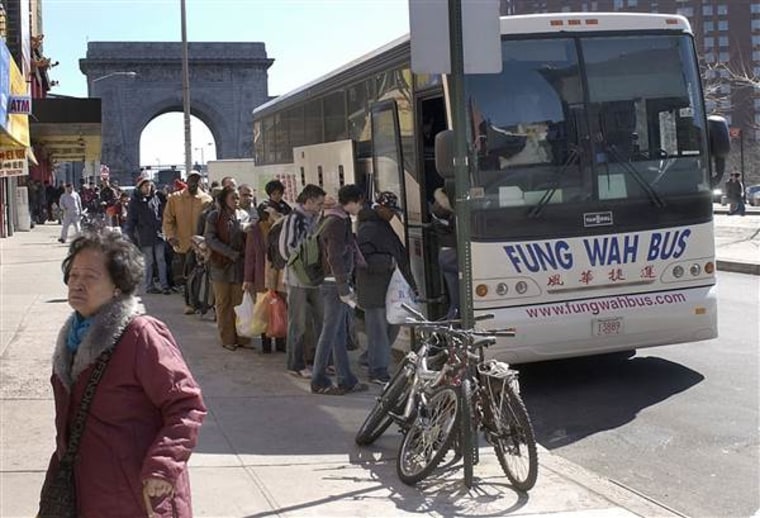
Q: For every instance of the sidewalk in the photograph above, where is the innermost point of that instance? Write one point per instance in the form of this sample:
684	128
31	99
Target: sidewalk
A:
268	447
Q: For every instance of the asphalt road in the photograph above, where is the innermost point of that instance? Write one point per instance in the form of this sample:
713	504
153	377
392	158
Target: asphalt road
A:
678	424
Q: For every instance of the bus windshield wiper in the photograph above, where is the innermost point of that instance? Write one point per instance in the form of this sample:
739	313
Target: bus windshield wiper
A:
572	157
631	169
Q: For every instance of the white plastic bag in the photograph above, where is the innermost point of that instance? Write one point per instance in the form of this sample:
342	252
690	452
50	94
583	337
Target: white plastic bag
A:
244	322
399	292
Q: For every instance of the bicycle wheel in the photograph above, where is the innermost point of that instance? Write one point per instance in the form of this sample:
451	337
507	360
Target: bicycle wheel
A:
391	400
466	431
429	437
512	435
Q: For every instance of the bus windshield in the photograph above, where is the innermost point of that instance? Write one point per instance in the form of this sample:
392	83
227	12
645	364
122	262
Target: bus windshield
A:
574	125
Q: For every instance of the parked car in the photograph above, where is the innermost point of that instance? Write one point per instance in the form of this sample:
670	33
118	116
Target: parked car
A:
752	194
717	195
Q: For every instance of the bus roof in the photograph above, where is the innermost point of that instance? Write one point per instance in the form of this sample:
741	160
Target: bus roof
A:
520	24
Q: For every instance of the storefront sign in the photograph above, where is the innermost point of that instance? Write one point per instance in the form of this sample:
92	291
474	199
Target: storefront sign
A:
5	84
20	104
16	127
13	162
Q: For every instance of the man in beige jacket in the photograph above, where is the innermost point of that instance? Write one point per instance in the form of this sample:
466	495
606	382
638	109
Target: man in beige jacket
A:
183	208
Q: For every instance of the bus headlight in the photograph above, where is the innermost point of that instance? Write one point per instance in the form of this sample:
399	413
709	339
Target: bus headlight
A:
678	271
695	270
521	287
502	289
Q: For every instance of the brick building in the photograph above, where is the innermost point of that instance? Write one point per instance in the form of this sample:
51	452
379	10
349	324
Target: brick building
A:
725	31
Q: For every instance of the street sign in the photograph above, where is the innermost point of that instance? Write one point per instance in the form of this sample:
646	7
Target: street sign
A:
430	36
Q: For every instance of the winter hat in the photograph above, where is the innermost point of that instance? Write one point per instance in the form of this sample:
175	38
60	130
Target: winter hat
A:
388	200
141	180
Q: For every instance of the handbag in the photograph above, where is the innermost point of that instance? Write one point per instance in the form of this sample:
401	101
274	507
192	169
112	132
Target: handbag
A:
277	326
58	498
399	293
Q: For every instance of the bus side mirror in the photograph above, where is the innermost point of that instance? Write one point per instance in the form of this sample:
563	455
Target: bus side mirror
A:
720	145
444	154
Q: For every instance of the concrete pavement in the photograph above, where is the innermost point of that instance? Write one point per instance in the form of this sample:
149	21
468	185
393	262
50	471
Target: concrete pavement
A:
268	447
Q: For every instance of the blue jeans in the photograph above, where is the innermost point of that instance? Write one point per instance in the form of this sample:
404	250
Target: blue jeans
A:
332	339
380	338
447	260
148	253
304	306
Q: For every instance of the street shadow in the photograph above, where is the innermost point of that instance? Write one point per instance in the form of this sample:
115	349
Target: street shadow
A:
572	399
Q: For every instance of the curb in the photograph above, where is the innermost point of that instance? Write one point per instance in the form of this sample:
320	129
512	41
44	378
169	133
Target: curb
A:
616	492
738	267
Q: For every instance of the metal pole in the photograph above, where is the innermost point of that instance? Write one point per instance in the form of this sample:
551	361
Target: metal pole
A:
461	166
741	152
186	91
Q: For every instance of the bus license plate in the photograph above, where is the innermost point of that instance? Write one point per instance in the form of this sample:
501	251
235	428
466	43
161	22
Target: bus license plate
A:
608	326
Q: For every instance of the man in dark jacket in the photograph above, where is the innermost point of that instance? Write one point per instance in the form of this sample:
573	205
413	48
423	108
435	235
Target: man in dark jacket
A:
144	220
338	250
383	252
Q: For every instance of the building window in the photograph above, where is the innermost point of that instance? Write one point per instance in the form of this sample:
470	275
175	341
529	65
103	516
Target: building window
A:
566	9
594	5
755	54
723	41
709	42
709	27
755	24
617	5
755	41
685	11
723	9
723	25
755	8
633	3
707	10
723	57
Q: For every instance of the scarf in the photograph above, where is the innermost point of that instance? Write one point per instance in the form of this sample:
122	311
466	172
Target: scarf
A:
77	331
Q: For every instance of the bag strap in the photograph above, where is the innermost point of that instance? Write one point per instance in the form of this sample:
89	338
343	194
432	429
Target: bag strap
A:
77	428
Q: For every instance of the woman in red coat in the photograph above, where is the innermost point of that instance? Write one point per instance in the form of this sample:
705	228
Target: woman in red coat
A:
147	409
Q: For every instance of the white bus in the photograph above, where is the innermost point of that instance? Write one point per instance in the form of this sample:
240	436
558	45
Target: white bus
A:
590	169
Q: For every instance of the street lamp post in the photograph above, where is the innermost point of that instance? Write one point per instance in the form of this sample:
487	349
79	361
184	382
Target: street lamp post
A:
186	89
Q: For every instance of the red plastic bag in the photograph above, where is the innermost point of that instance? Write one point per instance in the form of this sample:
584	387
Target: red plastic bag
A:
278	316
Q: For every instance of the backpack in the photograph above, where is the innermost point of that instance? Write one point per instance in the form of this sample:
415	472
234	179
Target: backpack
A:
273	246
306	260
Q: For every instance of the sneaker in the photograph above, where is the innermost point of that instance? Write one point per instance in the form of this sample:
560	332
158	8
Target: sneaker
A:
305	373
166	291
358	387
189	310
330	390
230	347
380	380
153	291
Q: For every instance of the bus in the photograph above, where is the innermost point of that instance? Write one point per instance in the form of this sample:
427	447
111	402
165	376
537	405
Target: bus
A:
590	164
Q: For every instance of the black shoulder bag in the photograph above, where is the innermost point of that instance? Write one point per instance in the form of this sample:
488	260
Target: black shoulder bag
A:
58	498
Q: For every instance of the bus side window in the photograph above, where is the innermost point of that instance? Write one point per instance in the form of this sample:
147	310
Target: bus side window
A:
319	174
341	176
303	177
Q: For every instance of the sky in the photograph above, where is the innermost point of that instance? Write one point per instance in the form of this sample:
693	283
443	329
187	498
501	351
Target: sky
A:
306	38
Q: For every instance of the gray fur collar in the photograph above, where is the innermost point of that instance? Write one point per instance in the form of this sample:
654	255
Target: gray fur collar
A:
105	331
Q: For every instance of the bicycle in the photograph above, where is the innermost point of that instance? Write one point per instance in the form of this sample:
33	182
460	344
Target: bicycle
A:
483	397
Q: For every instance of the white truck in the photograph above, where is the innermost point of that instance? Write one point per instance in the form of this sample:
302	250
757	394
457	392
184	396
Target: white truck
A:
244	171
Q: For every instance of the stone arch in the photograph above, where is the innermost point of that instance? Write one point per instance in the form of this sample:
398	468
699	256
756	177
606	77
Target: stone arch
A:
139	81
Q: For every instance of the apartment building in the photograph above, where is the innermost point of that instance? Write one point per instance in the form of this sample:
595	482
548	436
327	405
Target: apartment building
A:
727	32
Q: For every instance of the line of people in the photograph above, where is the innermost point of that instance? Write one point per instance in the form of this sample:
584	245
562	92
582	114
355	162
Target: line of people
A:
255	249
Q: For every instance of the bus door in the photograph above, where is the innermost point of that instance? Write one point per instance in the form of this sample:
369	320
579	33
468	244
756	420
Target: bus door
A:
431	119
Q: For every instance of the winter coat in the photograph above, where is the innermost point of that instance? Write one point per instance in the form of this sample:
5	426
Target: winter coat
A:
144	419
144	220
383	251
296	226
181	216
227	255
255	258
338	246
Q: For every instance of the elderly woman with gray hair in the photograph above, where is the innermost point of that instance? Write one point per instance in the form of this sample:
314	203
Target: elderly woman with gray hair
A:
128	410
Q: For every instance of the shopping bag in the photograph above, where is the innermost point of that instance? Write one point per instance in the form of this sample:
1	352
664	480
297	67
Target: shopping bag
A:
399	292
244	316
278	317
260	315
